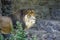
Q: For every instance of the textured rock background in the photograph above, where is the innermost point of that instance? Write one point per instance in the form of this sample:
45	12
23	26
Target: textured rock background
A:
47	13
44	8
45	30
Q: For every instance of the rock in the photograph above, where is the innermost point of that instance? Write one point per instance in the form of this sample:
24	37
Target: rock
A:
45	30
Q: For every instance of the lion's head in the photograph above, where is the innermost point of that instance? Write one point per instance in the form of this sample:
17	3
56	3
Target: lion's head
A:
29	18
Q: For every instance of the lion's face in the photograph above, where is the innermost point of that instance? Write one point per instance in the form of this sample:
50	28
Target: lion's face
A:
29	18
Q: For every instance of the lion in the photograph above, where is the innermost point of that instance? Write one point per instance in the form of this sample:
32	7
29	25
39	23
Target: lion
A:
26	16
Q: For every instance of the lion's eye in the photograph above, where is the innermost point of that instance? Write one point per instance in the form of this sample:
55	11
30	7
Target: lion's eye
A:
30	11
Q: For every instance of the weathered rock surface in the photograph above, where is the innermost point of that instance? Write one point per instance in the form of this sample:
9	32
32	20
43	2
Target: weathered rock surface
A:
45	30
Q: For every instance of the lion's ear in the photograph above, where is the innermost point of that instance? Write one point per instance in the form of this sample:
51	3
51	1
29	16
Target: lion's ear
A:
25	12
32	10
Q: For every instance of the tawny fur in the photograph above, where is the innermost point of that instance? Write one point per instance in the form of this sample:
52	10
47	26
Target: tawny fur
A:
29	19
5	24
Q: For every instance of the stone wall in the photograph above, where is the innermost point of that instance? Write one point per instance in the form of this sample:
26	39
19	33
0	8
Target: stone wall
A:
43	29
43	7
